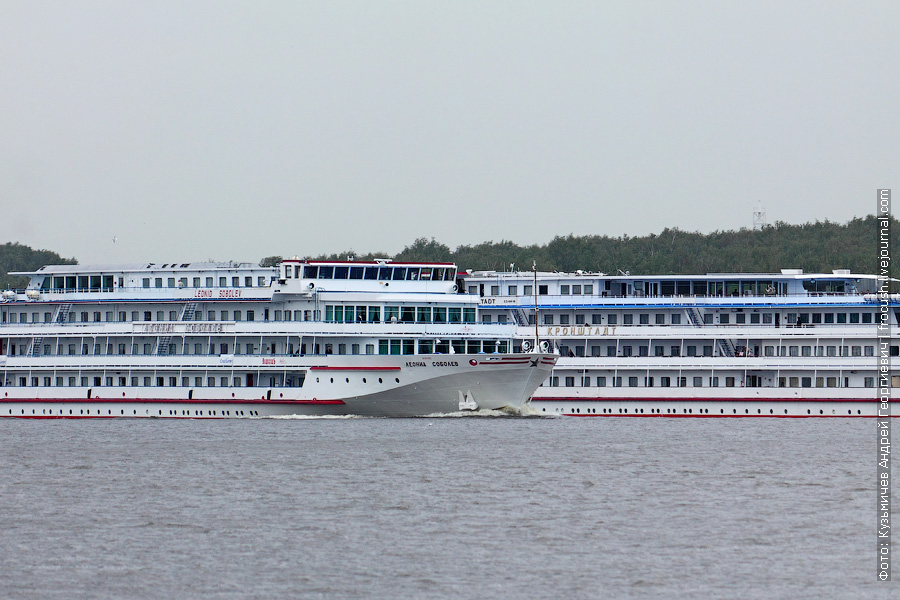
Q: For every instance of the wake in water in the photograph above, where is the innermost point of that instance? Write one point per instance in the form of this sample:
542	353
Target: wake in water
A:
526	410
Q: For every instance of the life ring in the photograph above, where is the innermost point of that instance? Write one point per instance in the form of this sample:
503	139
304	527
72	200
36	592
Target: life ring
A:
526	346
545	346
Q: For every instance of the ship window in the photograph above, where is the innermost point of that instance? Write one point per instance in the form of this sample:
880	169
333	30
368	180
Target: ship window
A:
564	290
707	350
399	273
158	282
235	282
412	273
468	315
724	319
237	315
548	319
829	318
563	319
341	272
251	315
171	282
146	282
395	346
423	314
660	318
628	319
407	314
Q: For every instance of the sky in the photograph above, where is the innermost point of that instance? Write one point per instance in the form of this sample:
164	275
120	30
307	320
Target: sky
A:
135	131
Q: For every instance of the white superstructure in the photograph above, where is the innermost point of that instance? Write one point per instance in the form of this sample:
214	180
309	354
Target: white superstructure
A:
238	340
784	344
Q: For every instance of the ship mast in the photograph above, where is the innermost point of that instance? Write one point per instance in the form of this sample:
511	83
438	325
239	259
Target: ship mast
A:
534	289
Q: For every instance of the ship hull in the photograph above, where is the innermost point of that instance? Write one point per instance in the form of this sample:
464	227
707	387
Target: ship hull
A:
376	386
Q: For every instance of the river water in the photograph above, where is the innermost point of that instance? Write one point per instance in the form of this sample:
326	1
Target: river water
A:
467	507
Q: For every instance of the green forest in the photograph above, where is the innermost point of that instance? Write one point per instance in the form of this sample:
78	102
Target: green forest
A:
814	247
16	257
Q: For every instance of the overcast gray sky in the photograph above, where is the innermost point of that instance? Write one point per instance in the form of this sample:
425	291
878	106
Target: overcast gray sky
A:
236	130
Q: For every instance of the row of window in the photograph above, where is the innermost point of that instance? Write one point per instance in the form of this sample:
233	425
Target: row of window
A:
158	381
442	346
338	313
664	381
707	350
673	288
740	318
386	346
182	282
373	273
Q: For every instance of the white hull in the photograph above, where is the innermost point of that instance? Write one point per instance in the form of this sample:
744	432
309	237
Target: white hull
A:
382	386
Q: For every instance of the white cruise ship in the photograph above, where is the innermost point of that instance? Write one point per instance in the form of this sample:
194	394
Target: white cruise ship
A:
784	344
208	340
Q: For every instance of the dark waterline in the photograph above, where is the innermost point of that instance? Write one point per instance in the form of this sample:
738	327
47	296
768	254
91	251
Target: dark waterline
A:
436	508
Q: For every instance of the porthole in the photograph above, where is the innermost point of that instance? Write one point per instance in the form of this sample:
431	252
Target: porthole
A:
747	411
771	411
821	412
785	411
348	380
364	379
379	380
722	411
332	380
397	379
807	411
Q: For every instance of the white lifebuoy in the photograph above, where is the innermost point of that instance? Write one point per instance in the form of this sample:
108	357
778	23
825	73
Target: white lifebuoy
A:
526	346
545	346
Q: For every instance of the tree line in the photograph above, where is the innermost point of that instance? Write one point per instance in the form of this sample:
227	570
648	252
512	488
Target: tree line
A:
818	246
814	247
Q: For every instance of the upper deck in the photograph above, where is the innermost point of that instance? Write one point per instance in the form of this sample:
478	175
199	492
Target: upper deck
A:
791	286
224	281
376	276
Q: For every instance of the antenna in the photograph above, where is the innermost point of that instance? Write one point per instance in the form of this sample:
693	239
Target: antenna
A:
759	217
